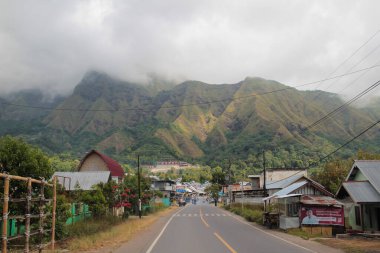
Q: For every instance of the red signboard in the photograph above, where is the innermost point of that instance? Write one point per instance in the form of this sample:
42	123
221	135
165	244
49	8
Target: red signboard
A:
322	216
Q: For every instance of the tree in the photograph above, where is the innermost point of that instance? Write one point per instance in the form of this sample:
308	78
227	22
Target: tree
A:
59	163
19	158
218	176
213	190
96	201
332	174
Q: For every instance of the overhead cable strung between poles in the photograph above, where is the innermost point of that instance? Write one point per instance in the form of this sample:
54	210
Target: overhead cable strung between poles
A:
344	106
352	55
345	144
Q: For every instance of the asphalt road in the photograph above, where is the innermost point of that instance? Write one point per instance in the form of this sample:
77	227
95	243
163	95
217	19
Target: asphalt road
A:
205	228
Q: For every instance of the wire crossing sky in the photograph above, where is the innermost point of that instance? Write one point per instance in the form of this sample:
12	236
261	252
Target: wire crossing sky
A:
52	44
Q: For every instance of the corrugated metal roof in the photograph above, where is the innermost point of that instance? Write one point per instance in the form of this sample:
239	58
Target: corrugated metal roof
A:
288	196
290	188
361	191
319	200
280	184
84	180
371	170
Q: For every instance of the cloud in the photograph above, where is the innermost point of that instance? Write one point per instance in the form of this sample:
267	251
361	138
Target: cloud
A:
52	44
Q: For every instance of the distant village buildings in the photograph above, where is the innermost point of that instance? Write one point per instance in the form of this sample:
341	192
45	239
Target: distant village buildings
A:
164	166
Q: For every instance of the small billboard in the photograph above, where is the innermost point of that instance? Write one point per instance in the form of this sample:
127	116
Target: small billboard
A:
322	216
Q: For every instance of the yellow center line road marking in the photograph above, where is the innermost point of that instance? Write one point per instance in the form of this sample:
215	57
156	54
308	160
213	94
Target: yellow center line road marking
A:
225	243
275	236
204	222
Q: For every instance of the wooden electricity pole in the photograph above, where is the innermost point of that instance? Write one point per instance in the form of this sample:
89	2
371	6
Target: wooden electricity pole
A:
265	176
138	183
5	214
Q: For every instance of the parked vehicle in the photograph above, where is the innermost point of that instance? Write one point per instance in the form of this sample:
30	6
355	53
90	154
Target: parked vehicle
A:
181	202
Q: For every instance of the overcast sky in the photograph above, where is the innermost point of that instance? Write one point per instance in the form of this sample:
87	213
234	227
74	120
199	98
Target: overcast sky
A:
51	44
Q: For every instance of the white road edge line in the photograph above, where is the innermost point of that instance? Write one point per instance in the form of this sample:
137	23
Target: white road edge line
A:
162	231
282	239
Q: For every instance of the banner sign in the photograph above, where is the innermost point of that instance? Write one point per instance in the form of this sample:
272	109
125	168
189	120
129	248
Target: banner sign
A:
322	216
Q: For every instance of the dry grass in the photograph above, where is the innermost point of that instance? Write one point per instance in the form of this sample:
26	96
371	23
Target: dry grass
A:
115	235
300	233
353	245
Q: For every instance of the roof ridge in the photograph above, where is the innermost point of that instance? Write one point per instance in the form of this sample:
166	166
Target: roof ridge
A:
367	160
272	182
356	181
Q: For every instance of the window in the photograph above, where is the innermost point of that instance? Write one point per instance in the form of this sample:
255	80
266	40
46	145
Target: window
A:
357	216
293	209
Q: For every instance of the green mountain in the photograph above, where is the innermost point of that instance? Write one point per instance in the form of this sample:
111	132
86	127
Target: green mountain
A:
193	120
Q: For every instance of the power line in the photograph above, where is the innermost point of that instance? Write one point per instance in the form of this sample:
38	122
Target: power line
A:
364	92
345	144
348	58
336	110
191	104
355	80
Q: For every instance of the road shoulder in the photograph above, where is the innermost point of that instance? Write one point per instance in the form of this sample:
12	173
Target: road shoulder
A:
141	238
309	244
141	242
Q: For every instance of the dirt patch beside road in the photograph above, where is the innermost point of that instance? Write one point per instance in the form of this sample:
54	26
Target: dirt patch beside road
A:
354	245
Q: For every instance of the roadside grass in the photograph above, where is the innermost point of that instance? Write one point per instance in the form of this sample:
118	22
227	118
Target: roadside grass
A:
251	212
100	233
92	226
353	245
303	234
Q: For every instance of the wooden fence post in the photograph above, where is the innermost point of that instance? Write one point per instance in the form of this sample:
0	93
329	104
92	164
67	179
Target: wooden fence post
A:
53	213
27	215
5	214
42	215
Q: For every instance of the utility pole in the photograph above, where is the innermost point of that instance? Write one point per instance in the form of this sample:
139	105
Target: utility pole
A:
242	194
138	183
229	181
265	175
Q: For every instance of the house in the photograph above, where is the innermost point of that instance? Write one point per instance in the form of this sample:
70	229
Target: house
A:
276	178
360	193
273	186
96	161
304	202
253	192
82	180
167	187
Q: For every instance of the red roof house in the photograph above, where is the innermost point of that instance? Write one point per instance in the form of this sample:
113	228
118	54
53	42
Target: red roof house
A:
96	161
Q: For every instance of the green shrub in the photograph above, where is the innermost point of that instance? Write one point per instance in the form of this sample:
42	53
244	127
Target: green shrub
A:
251	212
92	226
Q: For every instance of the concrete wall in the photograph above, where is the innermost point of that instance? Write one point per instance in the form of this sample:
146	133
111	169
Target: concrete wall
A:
289	222
256	200
93	163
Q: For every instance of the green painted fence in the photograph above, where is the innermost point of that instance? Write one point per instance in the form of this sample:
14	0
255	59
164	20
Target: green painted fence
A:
13	228
78	212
